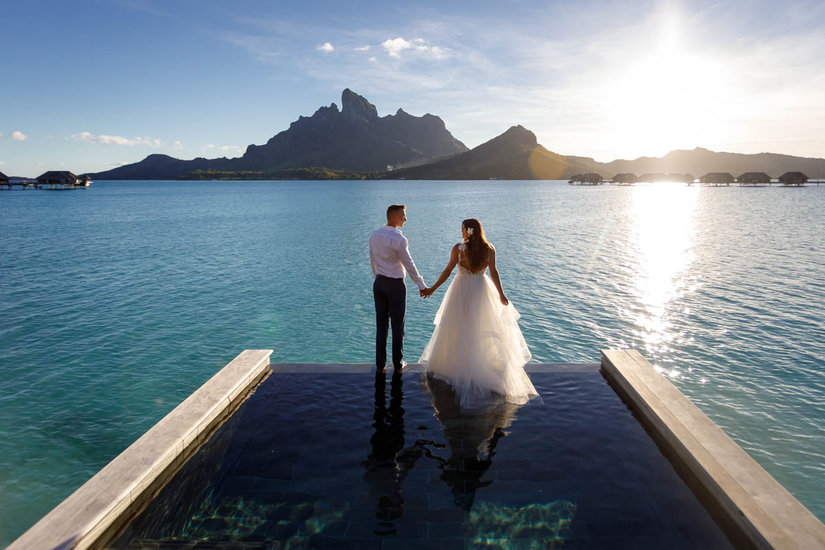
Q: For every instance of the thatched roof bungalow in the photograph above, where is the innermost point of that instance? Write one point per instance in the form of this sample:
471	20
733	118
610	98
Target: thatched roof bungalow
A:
754	178
717	178
625	179
58	177
793	178
591	178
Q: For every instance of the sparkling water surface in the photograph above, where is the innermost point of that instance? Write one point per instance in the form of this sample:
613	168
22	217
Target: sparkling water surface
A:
118	301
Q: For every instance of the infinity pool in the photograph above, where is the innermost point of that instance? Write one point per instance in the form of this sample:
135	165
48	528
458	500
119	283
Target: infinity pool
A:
347	460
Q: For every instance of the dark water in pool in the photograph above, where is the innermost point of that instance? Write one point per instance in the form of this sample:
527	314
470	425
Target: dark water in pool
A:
356	461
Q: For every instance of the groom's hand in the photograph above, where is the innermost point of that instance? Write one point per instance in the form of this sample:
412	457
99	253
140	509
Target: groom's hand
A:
425	292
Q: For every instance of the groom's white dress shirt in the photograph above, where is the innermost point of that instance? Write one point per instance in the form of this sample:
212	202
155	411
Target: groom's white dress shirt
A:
390	255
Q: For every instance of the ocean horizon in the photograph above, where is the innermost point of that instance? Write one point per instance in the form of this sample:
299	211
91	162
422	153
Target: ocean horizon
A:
119	300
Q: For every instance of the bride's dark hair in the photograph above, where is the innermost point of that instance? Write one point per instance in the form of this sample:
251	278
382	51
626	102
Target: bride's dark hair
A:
478	249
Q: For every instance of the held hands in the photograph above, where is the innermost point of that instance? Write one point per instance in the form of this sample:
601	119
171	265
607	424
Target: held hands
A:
426	292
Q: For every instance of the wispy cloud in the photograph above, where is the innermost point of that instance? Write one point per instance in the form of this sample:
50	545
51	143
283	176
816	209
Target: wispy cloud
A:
177	145
103	139
19	136
395	47
362	48
263	47
326	47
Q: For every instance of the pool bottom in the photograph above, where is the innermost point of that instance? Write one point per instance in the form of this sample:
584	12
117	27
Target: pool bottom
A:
356	461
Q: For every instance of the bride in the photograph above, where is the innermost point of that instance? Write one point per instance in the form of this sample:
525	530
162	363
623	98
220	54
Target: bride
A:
477	346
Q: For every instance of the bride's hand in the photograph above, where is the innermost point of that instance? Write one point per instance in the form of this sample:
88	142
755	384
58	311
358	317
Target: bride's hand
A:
504	300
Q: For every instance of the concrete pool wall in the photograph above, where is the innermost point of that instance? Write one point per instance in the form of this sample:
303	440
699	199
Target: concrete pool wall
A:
93	514
753	508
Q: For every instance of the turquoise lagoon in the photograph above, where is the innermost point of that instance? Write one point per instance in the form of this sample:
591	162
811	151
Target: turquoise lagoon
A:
118	301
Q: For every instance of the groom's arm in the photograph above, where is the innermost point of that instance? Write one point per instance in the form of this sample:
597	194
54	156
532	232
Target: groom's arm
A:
409	264
372	262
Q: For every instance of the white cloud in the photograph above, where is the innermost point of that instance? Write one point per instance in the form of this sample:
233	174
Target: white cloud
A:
417	46
104	139
18	136
372	59
363	48
326	47
1	135
395	46
177	145
2	163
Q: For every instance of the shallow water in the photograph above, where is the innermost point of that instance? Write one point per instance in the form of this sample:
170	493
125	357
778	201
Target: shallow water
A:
118	301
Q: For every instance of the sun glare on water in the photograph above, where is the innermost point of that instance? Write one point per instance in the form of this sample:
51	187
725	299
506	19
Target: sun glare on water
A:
662	242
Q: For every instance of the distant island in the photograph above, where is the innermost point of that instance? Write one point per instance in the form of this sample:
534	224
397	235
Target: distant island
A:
355	143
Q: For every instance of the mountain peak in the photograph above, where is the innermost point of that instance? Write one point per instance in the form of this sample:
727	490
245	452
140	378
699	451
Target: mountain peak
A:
356	106
521	135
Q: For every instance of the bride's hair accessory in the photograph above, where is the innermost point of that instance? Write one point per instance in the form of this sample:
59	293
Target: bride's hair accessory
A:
469	230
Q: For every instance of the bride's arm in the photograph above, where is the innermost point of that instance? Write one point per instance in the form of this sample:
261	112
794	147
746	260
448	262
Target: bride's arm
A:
494	276
447	270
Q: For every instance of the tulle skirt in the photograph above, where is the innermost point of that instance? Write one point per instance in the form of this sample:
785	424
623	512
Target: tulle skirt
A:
477	346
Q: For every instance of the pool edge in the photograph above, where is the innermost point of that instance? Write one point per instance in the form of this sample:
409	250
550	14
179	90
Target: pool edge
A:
96	510
751	506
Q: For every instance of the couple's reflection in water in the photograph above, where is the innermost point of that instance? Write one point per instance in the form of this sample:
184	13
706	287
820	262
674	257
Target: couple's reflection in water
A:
471	438
384	471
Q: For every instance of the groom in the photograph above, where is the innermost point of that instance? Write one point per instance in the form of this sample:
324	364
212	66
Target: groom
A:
390	259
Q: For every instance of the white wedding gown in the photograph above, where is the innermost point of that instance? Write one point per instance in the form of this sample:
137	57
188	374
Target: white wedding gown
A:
477	346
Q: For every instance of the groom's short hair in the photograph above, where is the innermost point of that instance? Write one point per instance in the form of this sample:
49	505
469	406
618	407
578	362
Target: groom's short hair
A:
394	208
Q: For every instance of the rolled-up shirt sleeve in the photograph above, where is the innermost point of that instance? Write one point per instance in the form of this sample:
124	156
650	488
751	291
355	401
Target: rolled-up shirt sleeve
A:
403	250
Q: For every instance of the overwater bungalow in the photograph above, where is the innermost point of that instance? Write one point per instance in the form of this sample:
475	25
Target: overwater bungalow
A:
793	178
590	178
754	178
625	179
60	179
717	178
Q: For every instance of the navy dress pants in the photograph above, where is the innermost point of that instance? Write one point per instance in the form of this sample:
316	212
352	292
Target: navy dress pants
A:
390	308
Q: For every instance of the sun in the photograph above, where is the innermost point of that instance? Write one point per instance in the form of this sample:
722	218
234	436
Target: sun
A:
669	97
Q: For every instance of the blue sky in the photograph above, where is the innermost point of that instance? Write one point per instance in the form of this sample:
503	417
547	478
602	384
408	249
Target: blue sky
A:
90	85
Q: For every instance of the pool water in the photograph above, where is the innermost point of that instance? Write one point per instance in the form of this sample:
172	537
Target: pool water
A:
343	460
